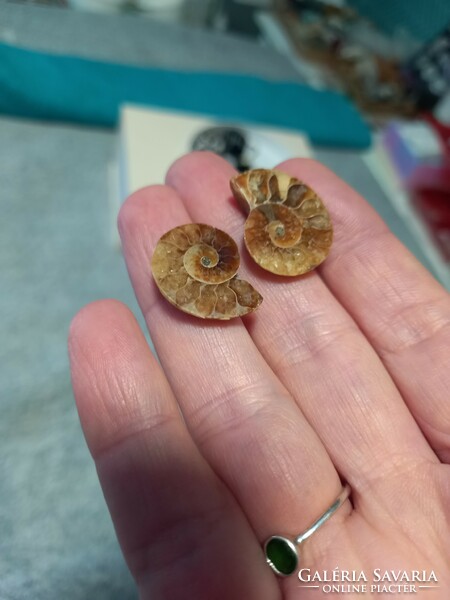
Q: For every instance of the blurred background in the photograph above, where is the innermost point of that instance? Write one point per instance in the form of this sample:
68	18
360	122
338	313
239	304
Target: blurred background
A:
97	98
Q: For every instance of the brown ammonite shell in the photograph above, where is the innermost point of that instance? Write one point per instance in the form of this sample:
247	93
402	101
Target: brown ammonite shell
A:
195	268
288	230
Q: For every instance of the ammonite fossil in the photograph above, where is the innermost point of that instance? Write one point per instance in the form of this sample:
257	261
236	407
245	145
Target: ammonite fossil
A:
288	230
195	268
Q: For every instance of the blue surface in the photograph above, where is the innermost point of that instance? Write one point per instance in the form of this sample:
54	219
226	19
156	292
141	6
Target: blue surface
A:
68	88
423	20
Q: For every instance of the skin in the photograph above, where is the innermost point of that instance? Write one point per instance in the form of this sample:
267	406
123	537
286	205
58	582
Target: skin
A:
246	428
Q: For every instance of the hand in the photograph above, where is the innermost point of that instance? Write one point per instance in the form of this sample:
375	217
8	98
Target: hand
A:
247	427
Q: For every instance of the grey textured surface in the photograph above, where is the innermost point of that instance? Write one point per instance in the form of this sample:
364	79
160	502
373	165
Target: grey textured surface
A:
130	39
56	254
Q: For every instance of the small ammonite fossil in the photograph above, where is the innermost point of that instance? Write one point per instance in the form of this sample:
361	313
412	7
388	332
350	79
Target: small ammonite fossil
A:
288	230
195	268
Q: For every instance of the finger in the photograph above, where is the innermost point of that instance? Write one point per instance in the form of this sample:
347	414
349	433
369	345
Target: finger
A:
175	520
401	308
242	419
317	350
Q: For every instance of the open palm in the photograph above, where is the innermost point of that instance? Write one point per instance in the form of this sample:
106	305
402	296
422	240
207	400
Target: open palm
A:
247	427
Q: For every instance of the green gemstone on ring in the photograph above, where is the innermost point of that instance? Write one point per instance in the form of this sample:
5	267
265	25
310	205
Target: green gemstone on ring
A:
281	554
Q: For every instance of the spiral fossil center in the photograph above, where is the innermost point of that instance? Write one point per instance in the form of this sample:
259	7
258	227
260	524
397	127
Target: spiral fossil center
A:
285	231
279	230
208	264
206	261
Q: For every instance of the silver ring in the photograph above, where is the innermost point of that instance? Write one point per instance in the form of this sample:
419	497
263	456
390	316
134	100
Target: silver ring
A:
282	553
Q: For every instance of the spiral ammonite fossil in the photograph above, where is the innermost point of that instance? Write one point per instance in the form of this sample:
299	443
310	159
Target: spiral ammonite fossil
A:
195	268
288	230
